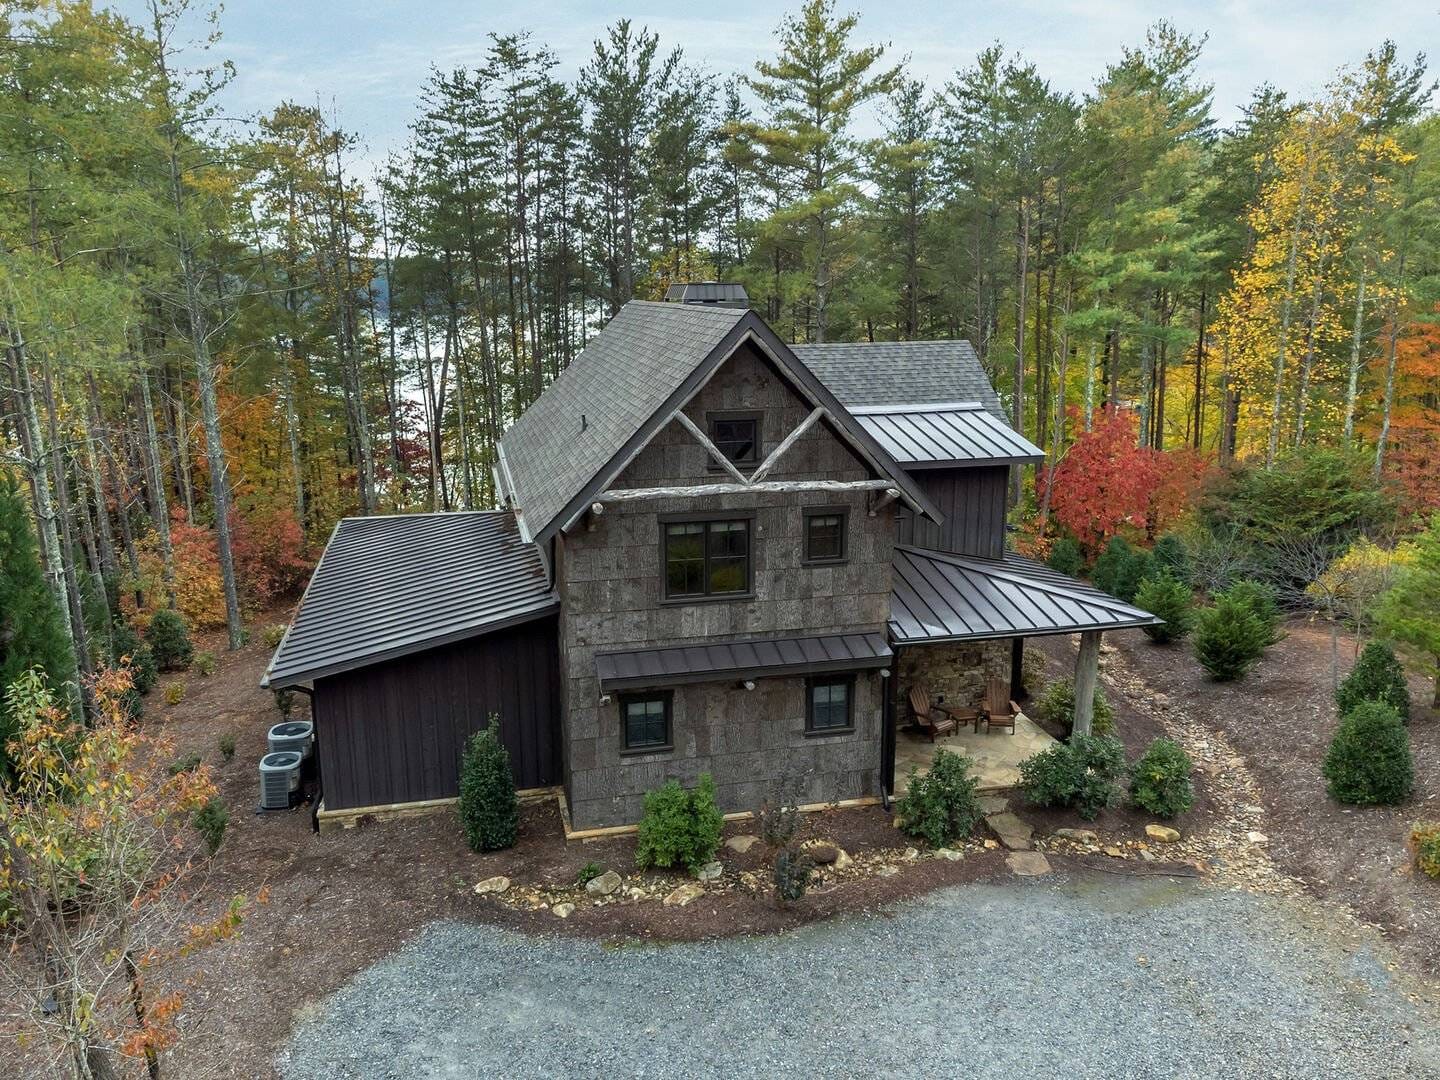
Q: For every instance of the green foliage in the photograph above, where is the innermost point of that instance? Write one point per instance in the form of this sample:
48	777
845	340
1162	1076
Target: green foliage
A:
1083	773
1033	664
211	820
227	746
1120	569
588	873
489	812
1425	843
187	763
174	693
204	664
126	647
273	634
285	701
778	822
1229	639
1170	599
1259	598
1409	612
941	806
680	827
1160	780
1057	707
1066	557
1376	676
1369	761
169	640
1172	557
792	875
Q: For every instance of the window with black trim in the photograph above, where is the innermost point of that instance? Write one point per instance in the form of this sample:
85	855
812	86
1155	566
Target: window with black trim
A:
707	558
646	720
829	703
825	535
737	436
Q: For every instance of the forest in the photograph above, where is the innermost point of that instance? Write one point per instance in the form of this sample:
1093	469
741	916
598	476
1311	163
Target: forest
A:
222	334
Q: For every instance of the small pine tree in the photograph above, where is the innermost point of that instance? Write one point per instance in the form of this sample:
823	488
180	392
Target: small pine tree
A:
1260	599
1171	600
1376	676
489	811
1110	566
1369	761
1066	557
1229	639
169	640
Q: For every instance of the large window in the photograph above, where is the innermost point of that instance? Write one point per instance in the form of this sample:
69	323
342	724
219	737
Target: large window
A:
825	535
737	436
706	558
828	704
646	718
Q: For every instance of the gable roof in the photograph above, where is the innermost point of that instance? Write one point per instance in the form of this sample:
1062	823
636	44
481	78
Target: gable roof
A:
901	372
389	586
625	386
940	435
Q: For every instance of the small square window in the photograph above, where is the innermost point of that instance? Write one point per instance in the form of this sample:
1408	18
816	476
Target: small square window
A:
828	704
737	437
825	535
646	718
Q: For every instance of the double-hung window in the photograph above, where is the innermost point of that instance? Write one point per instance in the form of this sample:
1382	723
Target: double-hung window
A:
706	558
825	535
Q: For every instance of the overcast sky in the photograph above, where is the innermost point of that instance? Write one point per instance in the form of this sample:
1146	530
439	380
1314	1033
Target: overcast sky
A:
367	58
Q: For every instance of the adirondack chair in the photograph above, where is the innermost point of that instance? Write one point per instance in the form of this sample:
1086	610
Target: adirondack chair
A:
935	719
999	709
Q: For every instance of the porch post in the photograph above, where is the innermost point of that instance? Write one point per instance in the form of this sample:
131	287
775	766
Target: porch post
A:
1017	668
1087	669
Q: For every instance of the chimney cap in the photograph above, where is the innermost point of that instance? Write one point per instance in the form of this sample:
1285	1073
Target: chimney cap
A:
719	293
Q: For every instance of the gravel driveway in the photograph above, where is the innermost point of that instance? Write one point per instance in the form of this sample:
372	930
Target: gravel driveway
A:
1102	977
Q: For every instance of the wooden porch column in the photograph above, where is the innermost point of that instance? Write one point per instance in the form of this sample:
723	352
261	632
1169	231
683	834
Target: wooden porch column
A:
1087	670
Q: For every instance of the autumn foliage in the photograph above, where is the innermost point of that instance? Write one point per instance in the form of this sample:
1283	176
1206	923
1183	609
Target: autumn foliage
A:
1107	484
271	557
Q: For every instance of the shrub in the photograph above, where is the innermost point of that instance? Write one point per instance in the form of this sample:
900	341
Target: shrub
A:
271	558
1260	599
205	664
1369	760
1083	773
680	827
227	746
188	763
941	806
285	701
1066	557
1120	569
1171	556
1229	639
272	635
1160	780
489	812
1376	676
211	820
1171	600
1033	663
792	875
588	873
778	821
126	647
1425	843
169	640
174	693
1057	707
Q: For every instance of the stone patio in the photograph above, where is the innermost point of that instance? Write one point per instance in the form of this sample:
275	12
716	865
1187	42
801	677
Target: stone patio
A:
997	756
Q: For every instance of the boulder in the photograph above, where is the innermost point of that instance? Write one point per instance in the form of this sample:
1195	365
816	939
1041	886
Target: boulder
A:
1080	836
1027	863
993	804
1163	833
563	910
685	894
911	854
604	884
742	843
949	854
1010	831
823	854
493	885
1257	838
887	870
710	871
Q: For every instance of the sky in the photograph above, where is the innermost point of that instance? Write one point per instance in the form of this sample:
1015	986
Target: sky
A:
364	61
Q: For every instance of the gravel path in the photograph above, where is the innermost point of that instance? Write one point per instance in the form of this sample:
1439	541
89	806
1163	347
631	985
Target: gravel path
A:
1087	977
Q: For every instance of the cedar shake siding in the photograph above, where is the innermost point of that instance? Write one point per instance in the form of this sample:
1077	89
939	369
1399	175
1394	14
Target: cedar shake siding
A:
609	574
973	501
393	732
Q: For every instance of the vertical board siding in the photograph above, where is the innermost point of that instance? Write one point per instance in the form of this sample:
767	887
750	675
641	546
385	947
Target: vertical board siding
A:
393	732
973	501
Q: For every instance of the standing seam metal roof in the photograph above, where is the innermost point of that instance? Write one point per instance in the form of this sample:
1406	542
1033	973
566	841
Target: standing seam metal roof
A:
933	435
393	585
901	372
936	596
714	660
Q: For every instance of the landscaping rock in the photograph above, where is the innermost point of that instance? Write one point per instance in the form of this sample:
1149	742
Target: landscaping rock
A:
824	854
493	885
1010	831
993	804
911	854
685	894
1114	852
1080	836
742	843
1027	863
887	870
710	871
604	884
1257	838
563	910
949	854
1163	833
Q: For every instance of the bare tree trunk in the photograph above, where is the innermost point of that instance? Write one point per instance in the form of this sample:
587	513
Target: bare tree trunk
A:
155	484
1388	404
1352	387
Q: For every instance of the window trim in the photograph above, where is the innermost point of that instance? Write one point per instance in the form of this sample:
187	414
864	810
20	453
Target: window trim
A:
843	513
736	414
747	516
848	678
627	699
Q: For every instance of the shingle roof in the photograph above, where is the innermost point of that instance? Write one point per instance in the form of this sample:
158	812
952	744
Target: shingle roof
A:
394	585
715	660
901	372
920	436
937	596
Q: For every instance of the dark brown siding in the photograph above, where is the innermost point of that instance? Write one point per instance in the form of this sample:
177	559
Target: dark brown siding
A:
393	732
973	502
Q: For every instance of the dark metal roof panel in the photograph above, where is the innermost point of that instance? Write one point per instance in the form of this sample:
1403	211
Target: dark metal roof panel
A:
937	596
762	657
920	436
393	585
708	292
901	372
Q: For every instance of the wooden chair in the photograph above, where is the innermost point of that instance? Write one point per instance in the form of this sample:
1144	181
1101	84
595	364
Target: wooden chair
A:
999	709
934	719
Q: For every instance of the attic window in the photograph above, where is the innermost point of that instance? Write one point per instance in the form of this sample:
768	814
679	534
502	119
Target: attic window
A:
737	436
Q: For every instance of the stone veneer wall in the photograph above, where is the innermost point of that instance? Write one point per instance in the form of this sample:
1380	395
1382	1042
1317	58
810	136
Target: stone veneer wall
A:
610	581
958	671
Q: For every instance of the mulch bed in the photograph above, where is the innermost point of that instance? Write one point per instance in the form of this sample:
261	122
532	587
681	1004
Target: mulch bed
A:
1281	718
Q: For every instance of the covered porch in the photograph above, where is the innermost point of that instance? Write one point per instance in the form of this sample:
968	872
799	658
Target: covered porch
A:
959	622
